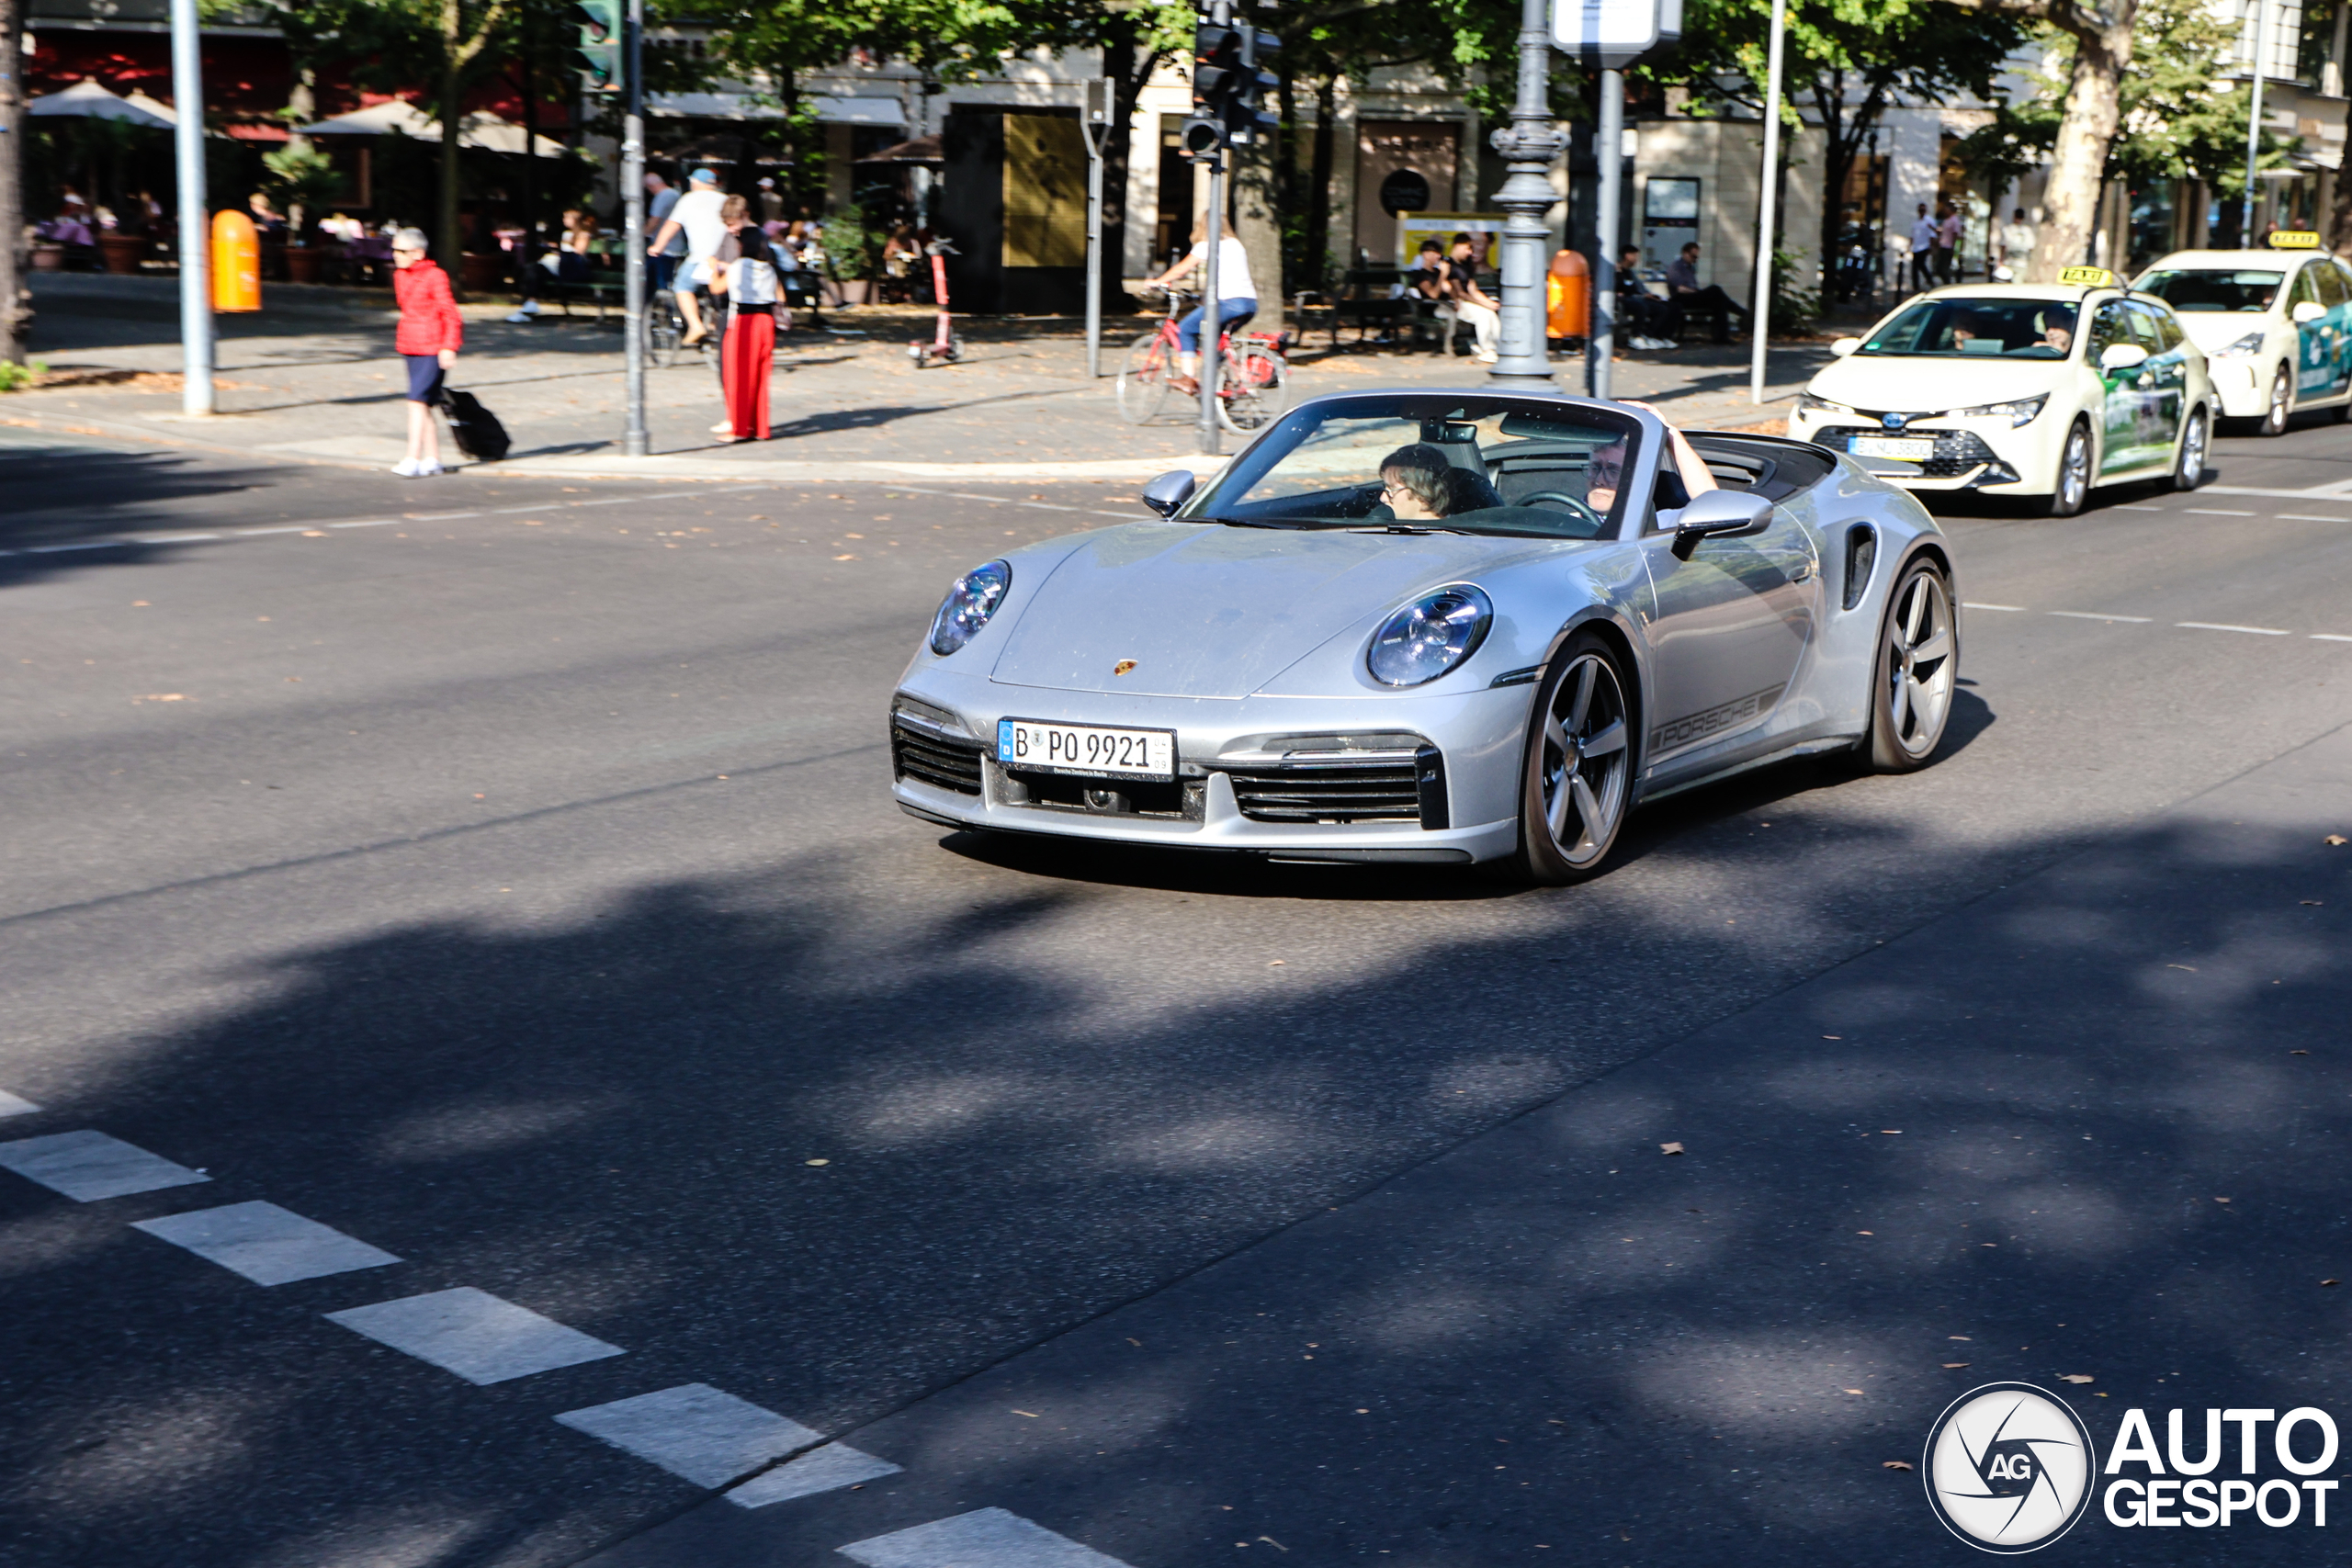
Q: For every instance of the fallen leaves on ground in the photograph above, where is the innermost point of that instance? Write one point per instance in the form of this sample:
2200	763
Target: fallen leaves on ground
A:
1895	1464
1670	1148
2336	840
1954	1366
2076	1377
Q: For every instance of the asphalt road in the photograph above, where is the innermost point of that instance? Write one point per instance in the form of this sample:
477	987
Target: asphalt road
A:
515	889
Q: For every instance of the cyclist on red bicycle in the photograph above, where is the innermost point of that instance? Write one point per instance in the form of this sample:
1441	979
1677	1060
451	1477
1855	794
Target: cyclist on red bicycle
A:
1237	298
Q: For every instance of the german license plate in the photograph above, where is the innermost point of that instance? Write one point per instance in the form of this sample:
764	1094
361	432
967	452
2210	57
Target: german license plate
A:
1909	451
1086	749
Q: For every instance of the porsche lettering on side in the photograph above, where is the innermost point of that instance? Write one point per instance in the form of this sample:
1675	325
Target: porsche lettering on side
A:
1444	626
2036	390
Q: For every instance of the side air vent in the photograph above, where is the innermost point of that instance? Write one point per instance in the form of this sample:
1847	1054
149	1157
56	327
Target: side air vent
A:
1862	553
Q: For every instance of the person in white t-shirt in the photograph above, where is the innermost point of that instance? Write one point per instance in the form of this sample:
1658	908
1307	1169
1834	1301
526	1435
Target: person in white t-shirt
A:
697	217
1237	297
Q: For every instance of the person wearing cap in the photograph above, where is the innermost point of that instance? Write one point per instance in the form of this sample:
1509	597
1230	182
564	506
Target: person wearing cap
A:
697	217
430	333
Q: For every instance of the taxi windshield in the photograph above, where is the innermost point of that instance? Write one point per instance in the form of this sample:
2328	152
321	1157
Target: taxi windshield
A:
2213	288
1972	329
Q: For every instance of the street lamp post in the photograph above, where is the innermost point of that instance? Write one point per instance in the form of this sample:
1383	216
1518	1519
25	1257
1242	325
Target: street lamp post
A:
195	222
1761	317
1530	144
1609	147
634	442
1096	123
2254	117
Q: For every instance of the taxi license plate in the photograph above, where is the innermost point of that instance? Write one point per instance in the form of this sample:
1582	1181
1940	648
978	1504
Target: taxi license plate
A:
1089	749
1913	450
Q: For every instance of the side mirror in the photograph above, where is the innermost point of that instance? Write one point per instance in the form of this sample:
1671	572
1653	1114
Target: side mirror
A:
1845	346
1170	490
1719	512
2307	312
2122	356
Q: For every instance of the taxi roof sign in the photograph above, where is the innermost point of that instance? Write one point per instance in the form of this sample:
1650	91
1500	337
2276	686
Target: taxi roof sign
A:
2095	276
2294	239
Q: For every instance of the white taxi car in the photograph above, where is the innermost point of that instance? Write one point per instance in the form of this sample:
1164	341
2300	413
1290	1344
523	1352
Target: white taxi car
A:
2276	324
2038	391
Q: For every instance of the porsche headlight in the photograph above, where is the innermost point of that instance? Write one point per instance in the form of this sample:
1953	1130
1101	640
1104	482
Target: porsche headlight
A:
2018	412
1430	636
968	605
2245	347
1809	403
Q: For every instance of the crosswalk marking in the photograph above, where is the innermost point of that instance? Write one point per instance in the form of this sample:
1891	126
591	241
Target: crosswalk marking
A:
267	1245
986	1538
13	1105
474	1333
88	1166
823	1470
695	1431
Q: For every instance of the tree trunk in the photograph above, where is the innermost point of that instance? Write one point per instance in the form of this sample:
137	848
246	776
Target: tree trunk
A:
526	249
1257	227
301	105
2078	170
15	314
449	243
1318	181
1126	73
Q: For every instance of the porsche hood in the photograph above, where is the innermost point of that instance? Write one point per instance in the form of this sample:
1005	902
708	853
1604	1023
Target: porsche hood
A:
1217	611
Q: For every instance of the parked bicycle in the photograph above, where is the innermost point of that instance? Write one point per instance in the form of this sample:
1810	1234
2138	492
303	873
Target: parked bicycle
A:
1251	392
665	328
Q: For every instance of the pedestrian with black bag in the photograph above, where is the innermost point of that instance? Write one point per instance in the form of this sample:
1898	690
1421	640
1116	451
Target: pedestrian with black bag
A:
429	335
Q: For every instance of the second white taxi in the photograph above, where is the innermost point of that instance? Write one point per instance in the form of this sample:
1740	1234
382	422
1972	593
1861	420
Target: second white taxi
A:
2036	390
2276	325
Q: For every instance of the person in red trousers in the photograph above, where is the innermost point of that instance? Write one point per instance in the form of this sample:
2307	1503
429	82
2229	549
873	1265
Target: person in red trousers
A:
431	332
751	290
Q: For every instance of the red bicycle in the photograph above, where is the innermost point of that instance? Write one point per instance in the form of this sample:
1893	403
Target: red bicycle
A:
1250	394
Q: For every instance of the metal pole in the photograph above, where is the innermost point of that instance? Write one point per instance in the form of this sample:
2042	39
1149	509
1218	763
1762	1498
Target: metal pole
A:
1211	361
1530	144
1609	145
195	221
2253	118
1098	126
633	441
1761	317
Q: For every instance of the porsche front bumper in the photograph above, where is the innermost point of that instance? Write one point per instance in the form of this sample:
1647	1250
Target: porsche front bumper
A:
1430	779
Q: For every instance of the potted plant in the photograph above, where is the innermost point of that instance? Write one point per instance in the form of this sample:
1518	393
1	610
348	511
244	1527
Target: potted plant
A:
852	253
121	251
303	179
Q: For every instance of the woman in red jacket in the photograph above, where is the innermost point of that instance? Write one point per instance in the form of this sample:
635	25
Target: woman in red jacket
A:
431	332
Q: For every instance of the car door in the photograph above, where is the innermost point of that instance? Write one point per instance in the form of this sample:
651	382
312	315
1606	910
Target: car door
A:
1727	629
2163	383
2335	293
2121	395
2315	348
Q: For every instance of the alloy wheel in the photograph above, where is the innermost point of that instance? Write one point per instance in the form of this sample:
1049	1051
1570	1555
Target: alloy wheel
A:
1919	664
2191	471
2274	418
1585	763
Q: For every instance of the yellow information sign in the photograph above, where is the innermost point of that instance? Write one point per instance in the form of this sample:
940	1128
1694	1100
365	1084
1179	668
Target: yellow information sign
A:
2092	277
2294	239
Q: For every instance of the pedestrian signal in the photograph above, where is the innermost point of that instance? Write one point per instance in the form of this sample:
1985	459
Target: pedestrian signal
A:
597	55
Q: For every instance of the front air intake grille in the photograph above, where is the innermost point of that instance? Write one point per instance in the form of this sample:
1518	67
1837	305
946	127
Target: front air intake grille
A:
1387	792
1957	451
940	761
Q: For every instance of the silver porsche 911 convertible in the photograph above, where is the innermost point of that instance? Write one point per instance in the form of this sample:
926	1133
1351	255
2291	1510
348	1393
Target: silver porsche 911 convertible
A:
1435	627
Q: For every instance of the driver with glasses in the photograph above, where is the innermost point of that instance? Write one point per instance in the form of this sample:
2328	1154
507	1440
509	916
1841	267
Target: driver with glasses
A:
1605	469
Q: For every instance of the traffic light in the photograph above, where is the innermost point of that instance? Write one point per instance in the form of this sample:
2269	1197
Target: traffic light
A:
1229	88
1249	114
597	55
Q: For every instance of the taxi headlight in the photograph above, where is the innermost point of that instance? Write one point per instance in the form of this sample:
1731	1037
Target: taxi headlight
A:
1808	403
2021	411
2245	347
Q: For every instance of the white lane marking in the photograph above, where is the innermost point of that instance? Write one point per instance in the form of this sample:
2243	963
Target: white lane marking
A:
693	1431
87	1165
267	1245
255	532
828	1469
2094	615
370	523
2133	506
2218	627
1967	605
179	538
84	545
474	1333
2213	511
2310	517
13	1105
2329	636
986	1538
442	516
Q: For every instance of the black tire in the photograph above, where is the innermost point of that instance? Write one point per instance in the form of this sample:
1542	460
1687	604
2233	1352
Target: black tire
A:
1917	671
2281	407
2074	485
1574	799
2188	455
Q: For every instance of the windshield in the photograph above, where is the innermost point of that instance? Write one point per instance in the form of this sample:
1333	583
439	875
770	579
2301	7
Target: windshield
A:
1973	328
2213	289
1475	466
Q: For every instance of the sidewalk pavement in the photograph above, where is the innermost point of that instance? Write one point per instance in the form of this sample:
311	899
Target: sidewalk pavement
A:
312	377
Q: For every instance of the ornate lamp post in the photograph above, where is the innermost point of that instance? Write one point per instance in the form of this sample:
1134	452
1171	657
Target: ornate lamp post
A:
1530	143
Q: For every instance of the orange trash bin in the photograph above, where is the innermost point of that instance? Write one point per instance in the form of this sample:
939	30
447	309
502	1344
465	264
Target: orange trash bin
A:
236	263
1567	297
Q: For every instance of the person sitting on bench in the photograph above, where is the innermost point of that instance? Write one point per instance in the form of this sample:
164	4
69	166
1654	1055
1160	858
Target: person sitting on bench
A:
1683	296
